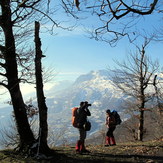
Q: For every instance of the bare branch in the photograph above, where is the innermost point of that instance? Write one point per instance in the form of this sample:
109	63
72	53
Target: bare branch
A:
135	78
140	12
30	4
4	85
77	3
117	17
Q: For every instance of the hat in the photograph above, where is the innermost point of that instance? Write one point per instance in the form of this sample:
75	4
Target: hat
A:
81	103
108	111
86	103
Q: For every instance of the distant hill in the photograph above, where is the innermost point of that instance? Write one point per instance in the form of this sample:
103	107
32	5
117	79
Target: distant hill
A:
95	87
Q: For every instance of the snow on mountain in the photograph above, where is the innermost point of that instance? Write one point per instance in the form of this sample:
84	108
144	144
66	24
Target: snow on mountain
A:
94	87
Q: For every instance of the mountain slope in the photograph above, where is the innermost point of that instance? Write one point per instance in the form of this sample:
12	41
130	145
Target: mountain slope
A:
142	152
94	87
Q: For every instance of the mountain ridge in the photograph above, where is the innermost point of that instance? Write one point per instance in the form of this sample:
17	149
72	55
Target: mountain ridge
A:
94	87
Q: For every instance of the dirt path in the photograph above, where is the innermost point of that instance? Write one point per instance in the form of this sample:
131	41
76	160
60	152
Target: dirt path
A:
131	153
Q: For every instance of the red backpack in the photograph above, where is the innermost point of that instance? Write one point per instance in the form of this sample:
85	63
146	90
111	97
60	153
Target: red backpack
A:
75	117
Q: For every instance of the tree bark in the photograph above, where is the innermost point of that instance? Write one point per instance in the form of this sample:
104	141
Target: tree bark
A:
25	133
142	97
141	126
43	126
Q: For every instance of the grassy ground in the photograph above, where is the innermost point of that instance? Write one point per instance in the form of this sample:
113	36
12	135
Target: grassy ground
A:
146	152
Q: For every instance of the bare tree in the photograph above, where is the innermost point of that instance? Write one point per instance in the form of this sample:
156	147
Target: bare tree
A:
43	126
136	78
16	19
9	135
59	137
116	19
10	73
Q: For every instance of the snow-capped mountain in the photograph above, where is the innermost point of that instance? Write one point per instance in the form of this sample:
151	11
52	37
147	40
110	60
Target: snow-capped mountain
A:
94	87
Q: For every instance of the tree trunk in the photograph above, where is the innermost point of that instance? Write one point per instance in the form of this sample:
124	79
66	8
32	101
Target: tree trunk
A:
141	126
143	85
25	133
141	118
43	126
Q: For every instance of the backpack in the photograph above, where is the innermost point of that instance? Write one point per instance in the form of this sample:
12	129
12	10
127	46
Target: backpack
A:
75	117
87	126
117	117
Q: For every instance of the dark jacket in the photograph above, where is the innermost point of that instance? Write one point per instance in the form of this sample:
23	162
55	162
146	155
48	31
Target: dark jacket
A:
110	121
83	112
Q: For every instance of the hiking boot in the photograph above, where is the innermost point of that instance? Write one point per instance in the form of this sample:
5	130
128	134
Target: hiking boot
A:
107	145
113	141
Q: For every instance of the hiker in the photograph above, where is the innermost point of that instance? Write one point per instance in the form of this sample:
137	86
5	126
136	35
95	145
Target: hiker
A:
82	112
111	125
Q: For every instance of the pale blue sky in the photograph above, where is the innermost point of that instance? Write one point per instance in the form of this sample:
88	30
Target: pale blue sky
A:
74	54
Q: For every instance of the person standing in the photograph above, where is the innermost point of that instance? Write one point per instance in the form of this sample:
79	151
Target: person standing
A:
82	112
111	125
